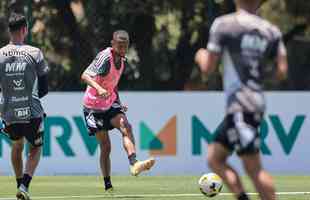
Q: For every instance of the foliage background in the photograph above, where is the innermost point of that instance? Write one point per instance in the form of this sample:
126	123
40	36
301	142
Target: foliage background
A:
164	37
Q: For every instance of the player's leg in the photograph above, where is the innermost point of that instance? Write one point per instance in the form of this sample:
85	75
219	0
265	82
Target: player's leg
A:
34	135
105	161
13	132
247	125
262	180
96	125
217	160
32	163
218	153
17	159
17	162
120	122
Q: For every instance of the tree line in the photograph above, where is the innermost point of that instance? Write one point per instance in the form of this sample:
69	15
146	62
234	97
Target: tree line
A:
164	38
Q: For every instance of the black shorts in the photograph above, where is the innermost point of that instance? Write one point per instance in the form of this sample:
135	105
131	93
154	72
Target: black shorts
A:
98	121
239	132
32	131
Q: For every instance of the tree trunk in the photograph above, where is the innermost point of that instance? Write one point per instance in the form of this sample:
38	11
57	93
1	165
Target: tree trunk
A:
80	51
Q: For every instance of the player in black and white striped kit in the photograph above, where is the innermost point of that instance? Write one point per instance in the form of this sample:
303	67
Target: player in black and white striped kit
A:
244	42
23	81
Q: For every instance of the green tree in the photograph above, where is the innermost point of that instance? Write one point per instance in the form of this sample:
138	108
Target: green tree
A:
164	38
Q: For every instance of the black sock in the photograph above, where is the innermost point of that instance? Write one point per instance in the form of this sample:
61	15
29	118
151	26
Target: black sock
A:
26	180
243	196
107	182
19	181
132	158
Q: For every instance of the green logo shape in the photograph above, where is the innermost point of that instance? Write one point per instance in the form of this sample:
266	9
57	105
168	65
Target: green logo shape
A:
148	140
287	138
199	132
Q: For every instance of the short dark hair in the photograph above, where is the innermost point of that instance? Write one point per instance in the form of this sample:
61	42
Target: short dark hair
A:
121	35
16	22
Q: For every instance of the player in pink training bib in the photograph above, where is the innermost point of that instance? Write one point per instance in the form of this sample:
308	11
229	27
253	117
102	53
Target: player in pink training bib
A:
103	110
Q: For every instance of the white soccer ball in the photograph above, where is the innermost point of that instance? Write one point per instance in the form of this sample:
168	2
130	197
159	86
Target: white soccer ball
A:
210	184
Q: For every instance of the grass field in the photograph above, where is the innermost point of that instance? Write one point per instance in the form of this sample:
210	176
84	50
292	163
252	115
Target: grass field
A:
144	187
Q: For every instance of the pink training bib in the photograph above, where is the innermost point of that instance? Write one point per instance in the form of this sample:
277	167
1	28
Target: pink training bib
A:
108	82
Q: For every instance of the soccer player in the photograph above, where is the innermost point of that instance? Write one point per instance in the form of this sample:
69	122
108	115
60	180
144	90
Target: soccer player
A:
244	42
103	110
23	81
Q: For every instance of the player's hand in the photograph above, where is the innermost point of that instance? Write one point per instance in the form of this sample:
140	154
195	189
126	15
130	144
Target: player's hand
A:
124	108
103	93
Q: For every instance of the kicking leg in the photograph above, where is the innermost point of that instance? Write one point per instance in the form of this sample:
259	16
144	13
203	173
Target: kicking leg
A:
217	157
262	180
105	162
120	122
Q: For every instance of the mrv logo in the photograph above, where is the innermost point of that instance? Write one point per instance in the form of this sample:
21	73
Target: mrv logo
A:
59	132
15	67
286	133
163	143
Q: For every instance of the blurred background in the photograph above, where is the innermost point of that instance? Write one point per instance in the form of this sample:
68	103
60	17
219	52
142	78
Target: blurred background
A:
175	126
164	37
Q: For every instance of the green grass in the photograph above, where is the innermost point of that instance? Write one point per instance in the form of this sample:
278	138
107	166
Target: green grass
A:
144	187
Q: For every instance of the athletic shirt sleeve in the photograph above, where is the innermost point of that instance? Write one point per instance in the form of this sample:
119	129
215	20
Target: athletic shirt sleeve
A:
100	65
216	37
42	67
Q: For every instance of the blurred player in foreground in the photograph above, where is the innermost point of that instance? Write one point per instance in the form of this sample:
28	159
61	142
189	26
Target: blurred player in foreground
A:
244	42
103	110
23	80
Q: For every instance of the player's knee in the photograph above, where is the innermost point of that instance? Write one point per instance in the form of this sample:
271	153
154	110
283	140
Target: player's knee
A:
214	162
127	129
18	147
253	171
105	148
211	161
34	150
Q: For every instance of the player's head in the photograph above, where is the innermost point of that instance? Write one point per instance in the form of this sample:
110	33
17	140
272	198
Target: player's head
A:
18	25
251	5
120	42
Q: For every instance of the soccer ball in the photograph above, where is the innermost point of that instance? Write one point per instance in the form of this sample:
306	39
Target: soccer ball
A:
210	184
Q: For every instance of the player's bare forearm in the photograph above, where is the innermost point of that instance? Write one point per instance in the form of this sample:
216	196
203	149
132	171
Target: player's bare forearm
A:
201	60
91	82
206	60
282	68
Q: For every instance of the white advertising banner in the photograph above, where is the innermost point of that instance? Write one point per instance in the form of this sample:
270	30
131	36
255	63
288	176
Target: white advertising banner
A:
174	127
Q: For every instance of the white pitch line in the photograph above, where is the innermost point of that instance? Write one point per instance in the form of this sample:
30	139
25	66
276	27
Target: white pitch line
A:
143	195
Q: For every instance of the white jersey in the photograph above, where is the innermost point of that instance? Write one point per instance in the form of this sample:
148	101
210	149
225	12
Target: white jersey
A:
246	42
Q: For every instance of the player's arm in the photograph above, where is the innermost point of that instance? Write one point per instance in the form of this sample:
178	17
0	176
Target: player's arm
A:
89	80
282	64
97	67
207	59
42	71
